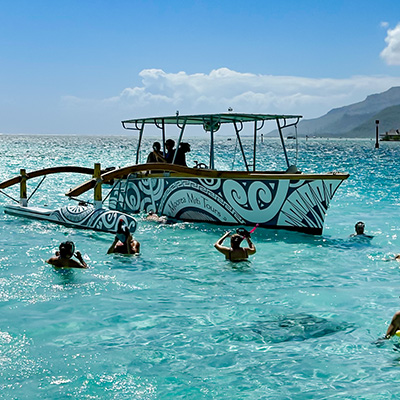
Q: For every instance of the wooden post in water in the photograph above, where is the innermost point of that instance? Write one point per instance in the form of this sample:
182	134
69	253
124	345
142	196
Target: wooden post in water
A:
98	202
22	189
377	134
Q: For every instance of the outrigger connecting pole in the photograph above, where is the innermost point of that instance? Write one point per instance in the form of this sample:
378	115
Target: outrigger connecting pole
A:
23	201
98	203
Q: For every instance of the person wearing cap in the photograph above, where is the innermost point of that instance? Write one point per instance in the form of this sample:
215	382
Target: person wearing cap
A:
63	257
235	252
170	144
124	243
359	227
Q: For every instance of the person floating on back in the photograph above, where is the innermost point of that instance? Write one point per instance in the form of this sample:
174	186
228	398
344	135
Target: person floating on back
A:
359	227
236	252
63	257
124	242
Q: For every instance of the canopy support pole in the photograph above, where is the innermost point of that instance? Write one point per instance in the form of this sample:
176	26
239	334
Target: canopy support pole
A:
139	143
240	143
182	128
283	142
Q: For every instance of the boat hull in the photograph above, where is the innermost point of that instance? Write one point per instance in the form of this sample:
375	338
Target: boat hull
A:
295	203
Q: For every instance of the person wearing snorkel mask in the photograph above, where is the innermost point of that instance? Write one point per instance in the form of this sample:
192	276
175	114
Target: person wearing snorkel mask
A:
124	243
236	252
63	257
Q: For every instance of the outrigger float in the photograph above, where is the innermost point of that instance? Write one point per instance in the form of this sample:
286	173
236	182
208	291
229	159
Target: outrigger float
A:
287	199
82	215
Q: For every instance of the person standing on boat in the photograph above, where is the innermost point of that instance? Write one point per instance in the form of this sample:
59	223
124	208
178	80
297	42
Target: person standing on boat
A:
235	252
180	158
170	144
124	243
155	156
63	257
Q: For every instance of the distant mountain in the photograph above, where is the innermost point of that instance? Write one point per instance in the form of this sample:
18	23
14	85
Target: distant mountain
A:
358	119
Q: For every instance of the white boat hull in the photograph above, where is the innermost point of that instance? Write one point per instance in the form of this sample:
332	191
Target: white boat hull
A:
288	203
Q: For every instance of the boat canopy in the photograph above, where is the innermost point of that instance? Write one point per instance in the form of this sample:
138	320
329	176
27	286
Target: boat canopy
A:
211	123
202	119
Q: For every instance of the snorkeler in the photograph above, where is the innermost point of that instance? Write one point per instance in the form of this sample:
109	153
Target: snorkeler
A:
359	228
236	252
124	243
63	257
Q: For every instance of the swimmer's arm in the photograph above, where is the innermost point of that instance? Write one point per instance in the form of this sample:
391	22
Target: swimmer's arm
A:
112	247
218	244
52	261
251	249
81	263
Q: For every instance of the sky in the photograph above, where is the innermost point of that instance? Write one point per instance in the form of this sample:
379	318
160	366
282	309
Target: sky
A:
80	67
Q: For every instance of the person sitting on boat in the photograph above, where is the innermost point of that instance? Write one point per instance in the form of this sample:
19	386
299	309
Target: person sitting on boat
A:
235	252
180	158
170	144
394	326
359	227
155	156
63	257
124	243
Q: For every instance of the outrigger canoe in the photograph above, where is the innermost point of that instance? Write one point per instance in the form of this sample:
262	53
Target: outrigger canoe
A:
286	199
82	215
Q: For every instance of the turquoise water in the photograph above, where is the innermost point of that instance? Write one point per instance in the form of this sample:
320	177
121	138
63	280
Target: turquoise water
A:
298	321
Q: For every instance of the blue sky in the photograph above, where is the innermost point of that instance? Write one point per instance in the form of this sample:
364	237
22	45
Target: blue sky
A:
80	67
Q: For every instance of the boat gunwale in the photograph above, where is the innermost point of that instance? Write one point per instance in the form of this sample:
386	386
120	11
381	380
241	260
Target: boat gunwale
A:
146	171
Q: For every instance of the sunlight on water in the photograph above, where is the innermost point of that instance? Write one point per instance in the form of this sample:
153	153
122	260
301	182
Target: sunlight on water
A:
297	321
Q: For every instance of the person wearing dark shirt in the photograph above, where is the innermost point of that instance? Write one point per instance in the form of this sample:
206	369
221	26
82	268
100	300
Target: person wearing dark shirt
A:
170	144
180	158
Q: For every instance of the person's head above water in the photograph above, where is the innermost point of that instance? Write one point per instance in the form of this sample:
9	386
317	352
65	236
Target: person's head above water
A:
67	249
359	227
236	240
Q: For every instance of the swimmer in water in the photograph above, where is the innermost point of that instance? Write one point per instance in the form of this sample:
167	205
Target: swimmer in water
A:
124	243
151	216
235	252
63	257
359	227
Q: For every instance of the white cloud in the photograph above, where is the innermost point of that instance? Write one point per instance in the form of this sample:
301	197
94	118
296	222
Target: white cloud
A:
384	24
391	53
162	93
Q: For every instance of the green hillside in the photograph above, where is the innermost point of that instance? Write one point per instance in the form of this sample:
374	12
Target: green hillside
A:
358	119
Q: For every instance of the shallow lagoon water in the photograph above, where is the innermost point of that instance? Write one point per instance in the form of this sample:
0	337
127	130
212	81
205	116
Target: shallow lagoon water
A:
298	321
